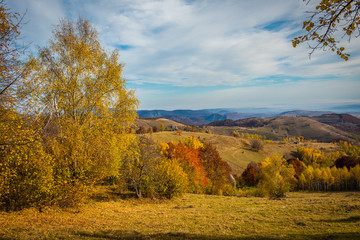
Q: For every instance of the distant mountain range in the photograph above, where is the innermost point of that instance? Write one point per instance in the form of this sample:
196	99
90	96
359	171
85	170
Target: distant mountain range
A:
206	116
191	117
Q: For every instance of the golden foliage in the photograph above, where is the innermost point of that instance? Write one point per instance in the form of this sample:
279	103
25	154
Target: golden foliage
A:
329	17
350	149
310	156
276	176
325	179
11	68
78	118
77	87
26	170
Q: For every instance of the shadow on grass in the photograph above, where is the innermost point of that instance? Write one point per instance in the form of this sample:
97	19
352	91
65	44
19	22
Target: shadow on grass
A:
345	220
125	235
109	193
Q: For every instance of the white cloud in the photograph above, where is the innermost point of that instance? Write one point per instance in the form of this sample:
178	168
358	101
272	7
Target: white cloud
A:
40	16
204	43
213	43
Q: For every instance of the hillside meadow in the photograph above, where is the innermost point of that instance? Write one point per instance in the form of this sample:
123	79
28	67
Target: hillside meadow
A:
157	122
302	215
237	153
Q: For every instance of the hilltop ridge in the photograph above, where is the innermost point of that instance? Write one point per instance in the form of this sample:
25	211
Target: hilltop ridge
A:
324	128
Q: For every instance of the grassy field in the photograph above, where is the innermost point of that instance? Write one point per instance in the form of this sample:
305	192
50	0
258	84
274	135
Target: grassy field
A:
149	123
107	216
235	151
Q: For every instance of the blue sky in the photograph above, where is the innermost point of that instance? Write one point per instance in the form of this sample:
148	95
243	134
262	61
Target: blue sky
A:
209	54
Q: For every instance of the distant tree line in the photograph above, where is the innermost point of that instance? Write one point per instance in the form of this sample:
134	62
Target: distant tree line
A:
311	170
161	128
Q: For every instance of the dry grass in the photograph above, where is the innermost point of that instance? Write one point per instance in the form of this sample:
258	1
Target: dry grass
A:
300	216
149	123
281	127
231	149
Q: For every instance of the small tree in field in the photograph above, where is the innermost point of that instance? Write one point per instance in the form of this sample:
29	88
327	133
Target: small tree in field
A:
187	154
140	164
168	180
276	176
256	145
218	171
250	174
151	175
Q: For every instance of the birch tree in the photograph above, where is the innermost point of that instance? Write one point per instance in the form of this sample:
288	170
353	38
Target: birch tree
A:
330	23
76	90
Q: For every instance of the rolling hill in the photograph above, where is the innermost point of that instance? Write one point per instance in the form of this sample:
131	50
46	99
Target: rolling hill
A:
236	150
345	122
156	122
309	129
281	127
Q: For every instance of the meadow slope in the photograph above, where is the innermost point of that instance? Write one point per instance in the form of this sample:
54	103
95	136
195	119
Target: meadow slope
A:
279	128
236	152
156	122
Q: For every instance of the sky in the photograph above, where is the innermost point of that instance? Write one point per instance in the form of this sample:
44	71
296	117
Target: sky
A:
201	54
